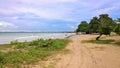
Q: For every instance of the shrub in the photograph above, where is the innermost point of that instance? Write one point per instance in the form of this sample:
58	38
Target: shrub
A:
15	42
58	44
2	59
37	49
20	45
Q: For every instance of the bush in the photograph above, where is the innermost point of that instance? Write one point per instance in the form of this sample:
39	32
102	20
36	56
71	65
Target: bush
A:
37	49
2	59
20	45
38	53
58	44
117	29
15	42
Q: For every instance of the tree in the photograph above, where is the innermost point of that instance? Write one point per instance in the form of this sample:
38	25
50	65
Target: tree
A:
106	25
94	25
117	28
82	27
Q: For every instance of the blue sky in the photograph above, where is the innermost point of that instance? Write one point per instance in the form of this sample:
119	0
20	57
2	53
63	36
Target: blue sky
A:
52	15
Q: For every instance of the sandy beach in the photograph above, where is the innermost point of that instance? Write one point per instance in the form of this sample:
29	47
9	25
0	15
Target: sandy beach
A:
88	55
84	55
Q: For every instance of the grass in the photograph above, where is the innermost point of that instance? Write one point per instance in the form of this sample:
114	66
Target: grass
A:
109	41
26	53
117	43
101	41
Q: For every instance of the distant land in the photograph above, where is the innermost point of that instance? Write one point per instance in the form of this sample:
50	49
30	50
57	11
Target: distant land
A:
36	31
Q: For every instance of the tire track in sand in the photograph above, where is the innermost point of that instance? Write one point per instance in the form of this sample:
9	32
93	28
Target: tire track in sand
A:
80	56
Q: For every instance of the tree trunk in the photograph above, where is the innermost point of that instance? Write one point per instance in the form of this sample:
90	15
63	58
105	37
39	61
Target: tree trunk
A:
98	37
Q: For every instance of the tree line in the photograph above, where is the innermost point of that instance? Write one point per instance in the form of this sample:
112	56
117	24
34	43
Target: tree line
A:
102	25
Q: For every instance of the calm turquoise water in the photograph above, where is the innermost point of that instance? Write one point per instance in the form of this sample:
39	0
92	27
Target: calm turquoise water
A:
7	37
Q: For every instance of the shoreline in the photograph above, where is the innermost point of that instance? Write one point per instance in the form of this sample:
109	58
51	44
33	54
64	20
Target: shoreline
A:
86	54
31	38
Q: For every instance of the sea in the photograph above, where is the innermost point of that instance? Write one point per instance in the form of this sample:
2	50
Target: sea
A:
7	37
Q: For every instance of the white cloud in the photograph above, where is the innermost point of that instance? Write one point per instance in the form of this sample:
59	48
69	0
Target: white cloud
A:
49	9
44	2
6	24
46	13
105	10
57	9
15	17
28	12
7	11
43	13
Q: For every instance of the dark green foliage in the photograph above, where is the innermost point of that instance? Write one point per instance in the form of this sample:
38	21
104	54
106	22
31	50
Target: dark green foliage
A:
117	28
83	27
2	59
94	26
106	24
106	31
103	25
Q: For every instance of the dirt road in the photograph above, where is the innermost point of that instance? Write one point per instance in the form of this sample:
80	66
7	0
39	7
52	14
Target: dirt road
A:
87	55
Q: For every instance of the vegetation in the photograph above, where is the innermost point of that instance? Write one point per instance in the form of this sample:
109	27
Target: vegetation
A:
117	43
94	25
104	42
25	53
102	25
101	41
106	25
83	27
117	28
107	41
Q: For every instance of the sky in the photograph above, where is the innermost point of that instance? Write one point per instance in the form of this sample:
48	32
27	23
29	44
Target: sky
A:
52	15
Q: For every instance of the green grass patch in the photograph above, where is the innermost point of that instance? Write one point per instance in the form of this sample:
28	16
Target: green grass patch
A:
109	41
117	43
100	41
30	52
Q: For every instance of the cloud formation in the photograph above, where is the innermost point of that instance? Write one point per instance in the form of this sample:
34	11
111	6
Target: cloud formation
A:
40	14
7	26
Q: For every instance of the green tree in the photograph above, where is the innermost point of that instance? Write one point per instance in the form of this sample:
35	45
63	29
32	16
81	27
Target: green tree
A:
117	28
82	27
94	25
106	25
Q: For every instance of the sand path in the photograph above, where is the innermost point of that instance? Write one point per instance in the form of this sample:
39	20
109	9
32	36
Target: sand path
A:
87	55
